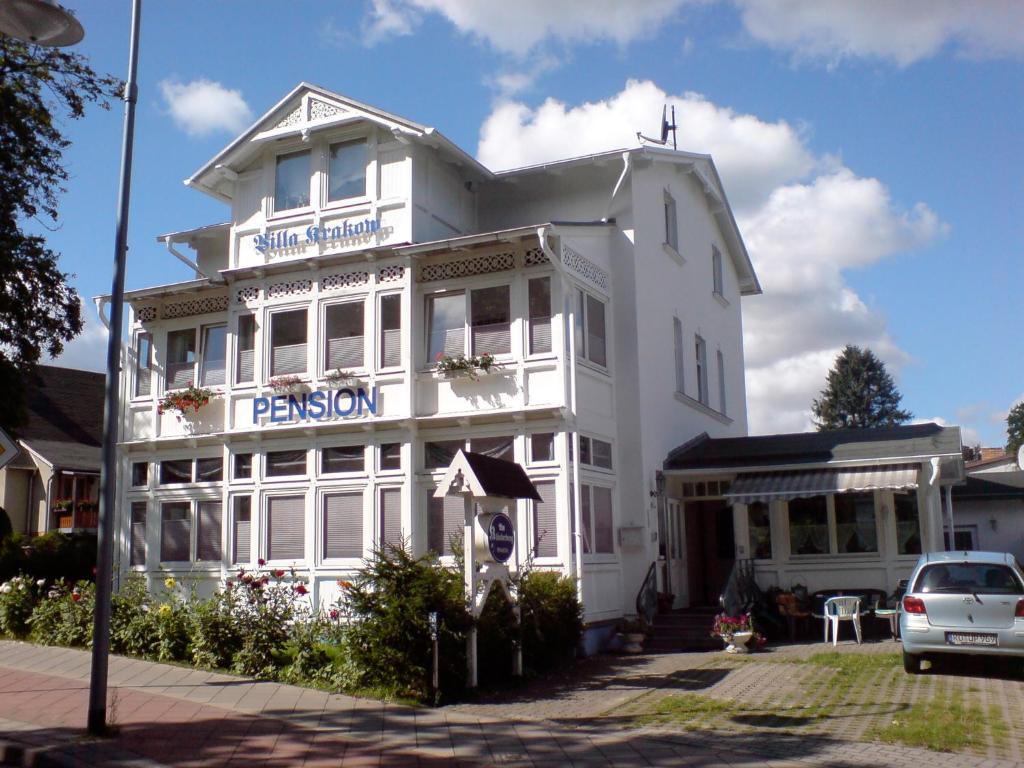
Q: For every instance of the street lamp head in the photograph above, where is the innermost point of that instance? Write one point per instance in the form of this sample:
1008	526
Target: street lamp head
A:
43	22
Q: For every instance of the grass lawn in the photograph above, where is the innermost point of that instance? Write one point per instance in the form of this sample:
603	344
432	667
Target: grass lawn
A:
858	696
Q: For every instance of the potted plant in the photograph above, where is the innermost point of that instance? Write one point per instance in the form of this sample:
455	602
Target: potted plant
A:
62	507
736	631
185	401
288	384
340	378
634	632
451	366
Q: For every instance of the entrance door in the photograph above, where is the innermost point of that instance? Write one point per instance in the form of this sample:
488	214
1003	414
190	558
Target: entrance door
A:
710	549
676	553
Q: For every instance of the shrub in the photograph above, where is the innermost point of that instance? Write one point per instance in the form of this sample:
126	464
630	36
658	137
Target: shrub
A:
53	556
552	619
18	598
214	631
496	637
172	631
6	529
133	629
265	607
388	642
65	616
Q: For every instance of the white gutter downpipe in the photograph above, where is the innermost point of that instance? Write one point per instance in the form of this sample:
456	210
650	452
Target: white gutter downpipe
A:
191	264
618	185
574	436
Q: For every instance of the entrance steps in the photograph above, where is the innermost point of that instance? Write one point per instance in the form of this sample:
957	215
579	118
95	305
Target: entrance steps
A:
685	629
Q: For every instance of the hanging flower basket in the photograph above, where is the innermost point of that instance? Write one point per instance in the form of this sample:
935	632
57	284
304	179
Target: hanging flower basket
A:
452	366
284	385
342	378
185	401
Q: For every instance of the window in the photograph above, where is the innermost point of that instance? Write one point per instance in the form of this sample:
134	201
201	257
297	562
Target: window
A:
181	358
968	579
701	351
286	530
343	525
345	458
390	456
214	355
540	315
288	342
209	470
346	170
176	471
390	531
963	538
291	182
908	529
446	518
390	330
137	555
542	447
716	270
545	521
446	315
671	225
808	526
208	535
491	320
143	364
596	453
283	463
721	382
760	527
438	454
245	364
175	531
596	515
242	533
590	330
140	474
855	523
242	466
495	447
678	346
343	343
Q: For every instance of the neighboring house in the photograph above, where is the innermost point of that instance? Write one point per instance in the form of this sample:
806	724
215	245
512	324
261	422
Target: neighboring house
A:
607	288
53	483
988	510
992	460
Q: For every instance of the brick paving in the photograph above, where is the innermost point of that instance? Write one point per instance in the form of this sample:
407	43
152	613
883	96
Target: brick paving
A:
174	716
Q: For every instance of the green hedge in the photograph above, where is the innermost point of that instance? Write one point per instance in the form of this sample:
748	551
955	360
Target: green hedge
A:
53	556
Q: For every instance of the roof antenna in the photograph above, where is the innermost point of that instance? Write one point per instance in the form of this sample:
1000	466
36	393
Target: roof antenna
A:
666	127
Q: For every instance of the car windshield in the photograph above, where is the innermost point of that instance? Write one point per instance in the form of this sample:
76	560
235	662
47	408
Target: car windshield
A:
969	578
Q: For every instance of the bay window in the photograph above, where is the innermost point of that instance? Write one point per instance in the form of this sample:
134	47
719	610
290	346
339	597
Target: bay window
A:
542	447
490	322
181	358
288	342
390	330
855	523
591	333
808	526
245	360
214	354
343	342
346	170
292	180
491	319
446	325
841	523
540	315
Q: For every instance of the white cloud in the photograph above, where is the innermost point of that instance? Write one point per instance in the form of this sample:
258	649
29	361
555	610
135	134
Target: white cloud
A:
516	27
899	32
88	350
202	107
805	218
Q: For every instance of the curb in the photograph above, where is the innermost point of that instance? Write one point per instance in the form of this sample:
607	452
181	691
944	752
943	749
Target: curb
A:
16	754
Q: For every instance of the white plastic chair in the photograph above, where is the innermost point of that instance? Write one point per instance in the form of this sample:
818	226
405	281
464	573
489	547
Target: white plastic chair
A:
842	609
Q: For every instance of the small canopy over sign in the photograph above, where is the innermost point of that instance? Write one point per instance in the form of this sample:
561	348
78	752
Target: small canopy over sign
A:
783	486
486	477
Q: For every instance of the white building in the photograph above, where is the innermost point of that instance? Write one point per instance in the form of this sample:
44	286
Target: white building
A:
606	287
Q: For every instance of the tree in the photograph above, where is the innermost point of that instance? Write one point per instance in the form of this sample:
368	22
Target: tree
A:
39	309
859	392
1015	428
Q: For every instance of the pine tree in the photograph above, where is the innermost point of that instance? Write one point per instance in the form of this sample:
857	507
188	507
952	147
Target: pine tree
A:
1015	428
859	392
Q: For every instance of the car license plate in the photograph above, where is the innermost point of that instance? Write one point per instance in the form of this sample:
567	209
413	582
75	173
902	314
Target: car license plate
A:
971	638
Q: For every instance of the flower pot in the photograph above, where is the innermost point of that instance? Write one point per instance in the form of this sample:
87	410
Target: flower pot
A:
634	642
738	643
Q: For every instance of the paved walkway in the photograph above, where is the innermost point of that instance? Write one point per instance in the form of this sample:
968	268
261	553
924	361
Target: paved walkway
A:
175	716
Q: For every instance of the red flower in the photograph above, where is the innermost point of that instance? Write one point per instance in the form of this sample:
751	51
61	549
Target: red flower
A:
75	596
344	584
334	614
301	589
278	573
261	562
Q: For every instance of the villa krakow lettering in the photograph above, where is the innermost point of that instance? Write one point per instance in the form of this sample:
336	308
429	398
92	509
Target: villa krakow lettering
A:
276	241
322	404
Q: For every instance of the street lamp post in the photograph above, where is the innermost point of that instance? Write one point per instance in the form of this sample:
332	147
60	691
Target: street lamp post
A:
44	22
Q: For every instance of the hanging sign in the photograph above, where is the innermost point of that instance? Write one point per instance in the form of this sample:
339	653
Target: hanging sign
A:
501	537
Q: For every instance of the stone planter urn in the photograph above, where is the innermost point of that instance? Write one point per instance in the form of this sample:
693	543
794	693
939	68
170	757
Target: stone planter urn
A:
633	642
738	643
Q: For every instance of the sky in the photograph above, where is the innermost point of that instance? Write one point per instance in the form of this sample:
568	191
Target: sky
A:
871	152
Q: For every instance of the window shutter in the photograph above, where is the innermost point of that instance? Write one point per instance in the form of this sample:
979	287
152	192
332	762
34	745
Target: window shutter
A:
286	528
545	521
246	365
391	348
540	335
175	532
492	339
243	530
138	533
343	525
391	516
179	375
454	341
289	358
446	519
345	353
208	537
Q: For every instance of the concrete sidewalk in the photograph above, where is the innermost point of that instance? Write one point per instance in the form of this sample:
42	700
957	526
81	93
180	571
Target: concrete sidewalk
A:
168	715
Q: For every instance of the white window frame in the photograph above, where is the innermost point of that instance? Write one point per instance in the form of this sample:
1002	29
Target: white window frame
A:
582	329
194	472
679	350
193	502
531	459
201	357
671	220
322	169
467	333
833	542
268	342
701	356
232	539
326	194
265	465
264	531
321	353
236	349
722	395
378	352
361	472
586	488
293	149
717	284
143	368
366	521
378	456
528	317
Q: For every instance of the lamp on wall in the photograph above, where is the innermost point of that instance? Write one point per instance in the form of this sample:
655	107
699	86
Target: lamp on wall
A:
659	484
994	523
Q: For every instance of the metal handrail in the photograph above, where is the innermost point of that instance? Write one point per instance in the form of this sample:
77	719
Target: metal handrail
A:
741	590
647	597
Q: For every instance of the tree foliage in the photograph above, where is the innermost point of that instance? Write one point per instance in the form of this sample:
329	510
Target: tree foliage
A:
859	392
39	309
1015	428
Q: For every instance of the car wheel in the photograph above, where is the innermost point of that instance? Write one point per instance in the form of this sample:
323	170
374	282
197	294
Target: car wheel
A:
911	663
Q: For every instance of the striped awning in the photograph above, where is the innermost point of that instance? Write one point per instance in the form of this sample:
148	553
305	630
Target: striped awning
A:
782	486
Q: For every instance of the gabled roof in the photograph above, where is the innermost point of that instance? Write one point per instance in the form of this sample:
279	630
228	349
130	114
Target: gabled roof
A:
287	118
486	476
64	405
912	441
977	487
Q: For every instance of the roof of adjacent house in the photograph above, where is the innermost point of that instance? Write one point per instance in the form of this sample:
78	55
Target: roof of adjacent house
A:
501	478
896	442
65	416
976	487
